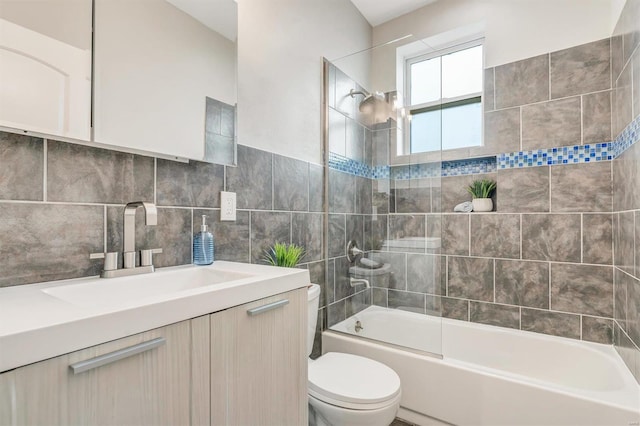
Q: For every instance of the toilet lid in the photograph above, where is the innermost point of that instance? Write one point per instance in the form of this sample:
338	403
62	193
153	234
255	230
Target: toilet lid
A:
337	377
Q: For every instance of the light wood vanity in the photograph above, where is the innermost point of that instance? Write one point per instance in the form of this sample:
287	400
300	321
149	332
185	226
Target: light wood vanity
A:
244	365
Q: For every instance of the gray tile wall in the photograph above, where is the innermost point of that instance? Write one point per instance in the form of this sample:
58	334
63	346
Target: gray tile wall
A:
59	202
351	200
556	99
543	261
625	55
550	238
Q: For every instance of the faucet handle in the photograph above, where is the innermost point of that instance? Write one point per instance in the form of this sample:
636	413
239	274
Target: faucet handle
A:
110	259
146	256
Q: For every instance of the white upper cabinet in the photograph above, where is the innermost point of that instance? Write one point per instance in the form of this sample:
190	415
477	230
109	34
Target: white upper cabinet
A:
154	76
45	66
156	63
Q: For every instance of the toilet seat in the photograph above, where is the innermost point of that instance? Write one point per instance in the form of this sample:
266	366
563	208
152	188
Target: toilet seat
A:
353	382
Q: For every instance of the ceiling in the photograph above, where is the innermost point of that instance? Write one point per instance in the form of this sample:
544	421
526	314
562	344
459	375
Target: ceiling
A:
219	15
378	12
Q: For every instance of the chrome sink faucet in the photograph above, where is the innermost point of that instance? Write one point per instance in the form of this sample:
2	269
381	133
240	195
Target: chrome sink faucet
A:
129	250
150	219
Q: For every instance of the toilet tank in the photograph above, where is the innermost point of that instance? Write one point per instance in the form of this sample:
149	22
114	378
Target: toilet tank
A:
314	302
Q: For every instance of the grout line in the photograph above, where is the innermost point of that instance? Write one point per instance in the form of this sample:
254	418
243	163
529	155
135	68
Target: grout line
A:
520	318
494	89
581	237
581	327
250	233
611	101
549	308
634	244
550	100
494	280
520	128
224	178
582	120
192	226
273	183
611	63
633	89
549	77
553	262
104	228
550	190
155	181
406	275
45	168
469	225
512	213
446	276
521	238
334	281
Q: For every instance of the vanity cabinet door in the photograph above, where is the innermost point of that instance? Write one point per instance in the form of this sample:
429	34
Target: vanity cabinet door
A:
263	345
150	387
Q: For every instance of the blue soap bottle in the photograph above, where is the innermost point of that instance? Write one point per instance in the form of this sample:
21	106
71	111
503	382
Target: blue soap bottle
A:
203	245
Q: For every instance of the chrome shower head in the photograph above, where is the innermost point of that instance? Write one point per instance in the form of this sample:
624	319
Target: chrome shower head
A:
370	99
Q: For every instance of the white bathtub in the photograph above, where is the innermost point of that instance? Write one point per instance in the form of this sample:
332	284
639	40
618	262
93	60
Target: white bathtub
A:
490	375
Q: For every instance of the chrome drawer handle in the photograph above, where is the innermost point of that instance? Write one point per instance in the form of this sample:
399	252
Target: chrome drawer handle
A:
268	307
111	357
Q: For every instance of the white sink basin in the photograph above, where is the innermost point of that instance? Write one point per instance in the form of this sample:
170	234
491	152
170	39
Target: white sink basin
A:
44	320
138	288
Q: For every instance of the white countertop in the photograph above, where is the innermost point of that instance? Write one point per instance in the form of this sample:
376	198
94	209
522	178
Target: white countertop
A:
35	325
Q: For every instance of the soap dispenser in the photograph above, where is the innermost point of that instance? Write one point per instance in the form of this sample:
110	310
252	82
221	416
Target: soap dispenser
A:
203	245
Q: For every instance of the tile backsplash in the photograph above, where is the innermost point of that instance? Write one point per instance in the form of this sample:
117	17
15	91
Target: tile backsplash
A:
59	202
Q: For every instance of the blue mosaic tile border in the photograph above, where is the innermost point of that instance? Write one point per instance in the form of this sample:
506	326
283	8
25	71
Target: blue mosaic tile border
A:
347	165
605	151
629	136
557	156
381	172
413	171
469	167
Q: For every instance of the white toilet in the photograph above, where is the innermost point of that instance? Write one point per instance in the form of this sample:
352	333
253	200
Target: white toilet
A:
345	389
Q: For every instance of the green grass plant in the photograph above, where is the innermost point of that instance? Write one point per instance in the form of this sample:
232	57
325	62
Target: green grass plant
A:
482	188
286	255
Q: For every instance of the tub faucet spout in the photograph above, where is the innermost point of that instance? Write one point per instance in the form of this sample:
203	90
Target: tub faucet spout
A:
358	281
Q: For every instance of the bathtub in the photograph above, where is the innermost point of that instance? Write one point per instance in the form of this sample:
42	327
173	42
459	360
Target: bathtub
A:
490	375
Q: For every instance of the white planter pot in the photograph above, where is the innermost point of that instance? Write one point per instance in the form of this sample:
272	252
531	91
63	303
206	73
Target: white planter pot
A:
482	204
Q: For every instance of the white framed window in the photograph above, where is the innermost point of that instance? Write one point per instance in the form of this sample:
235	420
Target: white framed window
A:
444	99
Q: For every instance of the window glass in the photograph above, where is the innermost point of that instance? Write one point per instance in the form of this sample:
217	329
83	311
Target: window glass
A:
446	109
462	72
425	81
462	126
425	131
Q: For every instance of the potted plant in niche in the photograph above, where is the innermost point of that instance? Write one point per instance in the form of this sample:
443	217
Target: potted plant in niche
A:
286	255
481	191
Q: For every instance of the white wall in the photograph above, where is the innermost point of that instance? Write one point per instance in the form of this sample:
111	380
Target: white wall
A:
280	48
514	29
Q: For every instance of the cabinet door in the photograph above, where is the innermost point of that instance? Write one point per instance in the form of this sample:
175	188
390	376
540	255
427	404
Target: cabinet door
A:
45	67
150	387
263	345
153	76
